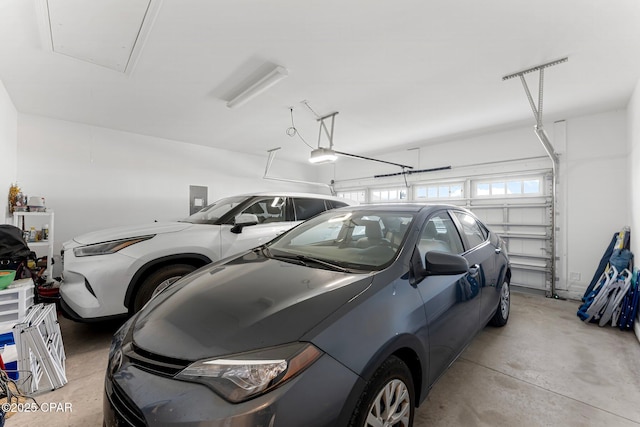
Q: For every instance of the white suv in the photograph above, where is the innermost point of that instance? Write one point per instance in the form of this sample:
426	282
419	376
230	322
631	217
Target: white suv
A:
115	272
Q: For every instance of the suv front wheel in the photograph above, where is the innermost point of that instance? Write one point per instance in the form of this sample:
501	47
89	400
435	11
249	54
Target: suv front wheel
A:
159	279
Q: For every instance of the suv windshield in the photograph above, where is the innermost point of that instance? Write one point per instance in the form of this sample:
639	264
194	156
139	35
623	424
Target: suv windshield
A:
213	212
352	239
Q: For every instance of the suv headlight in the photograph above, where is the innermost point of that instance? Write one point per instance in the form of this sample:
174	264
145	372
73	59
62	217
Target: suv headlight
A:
110	247
246	375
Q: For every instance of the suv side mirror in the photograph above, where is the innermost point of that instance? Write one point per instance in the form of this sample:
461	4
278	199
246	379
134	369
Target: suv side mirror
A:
243	220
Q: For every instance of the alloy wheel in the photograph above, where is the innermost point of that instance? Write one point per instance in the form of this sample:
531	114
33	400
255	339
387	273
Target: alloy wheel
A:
391	407
504	300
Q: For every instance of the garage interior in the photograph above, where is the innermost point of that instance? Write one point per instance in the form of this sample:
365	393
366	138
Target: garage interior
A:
112	110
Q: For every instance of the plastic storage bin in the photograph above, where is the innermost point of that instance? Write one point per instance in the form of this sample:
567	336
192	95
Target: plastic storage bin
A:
15	301
9	353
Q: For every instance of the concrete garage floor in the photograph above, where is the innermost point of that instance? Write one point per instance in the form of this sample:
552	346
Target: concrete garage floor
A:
545	368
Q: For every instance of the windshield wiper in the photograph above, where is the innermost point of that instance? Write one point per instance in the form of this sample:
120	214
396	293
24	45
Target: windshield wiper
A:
328	264
267	252
303	260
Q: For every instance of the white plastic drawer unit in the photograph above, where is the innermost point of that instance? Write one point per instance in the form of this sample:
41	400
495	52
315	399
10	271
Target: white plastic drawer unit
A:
15	301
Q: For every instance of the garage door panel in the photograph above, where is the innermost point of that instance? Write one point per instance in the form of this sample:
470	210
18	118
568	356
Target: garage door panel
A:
524	247
532	215
522	261
529	278
524	222
490	216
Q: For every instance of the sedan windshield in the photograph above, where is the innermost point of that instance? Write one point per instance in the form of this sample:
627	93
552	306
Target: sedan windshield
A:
360	240
213	212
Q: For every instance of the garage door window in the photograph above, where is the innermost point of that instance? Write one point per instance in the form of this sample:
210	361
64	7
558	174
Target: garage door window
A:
355	195
379	195
509	187
439	191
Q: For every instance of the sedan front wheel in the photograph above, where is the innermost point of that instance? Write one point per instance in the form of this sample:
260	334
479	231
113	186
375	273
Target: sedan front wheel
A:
388	399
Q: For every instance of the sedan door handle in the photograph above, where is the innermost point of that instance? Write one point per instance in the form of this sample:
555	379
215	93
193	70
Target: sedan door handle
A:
498	250
473	270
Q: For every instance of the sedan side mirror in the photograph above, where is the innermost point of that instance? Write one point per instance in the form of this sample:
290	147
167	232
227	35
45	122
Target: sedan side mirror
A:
443	263
243	220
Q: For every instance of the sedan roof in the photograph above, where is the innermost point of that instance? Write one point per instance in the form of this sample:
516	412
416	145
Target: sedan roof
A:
405	207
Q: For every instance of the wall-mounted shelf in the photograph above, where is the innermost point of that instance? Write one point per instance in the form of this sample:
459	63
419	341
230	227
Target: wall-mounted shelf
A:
25	220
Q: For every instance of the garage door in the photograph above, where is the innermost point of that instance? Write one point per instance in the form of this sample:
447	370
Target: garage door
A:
519	209
517	205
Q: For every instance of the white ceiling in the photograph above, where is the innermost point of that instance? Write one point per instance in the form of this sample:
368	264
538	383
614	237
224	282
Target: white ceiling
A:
399	73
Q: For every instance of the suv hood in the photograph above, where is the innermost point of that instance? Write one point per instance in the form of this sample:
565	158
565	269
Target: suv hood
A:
130	231
248	303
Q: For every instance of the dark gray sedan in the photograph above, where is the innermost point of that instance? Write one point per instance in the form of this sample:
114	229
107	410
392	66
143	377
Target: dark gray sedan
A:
346	320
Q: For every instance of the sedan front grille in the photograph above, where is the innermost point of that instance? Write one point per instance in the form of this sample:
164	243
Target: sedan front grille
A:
124	407
153	363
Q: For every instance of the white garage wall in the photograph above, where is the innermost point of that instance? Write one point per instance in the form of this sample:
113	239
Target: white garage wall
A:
598	189
8	150
94	178
489	147
593	180
633	119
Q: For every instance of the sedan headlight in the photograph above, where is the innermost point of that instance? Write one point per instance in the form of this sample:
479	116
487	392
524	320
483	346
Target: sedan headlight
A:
105	248
115	350
243	376
120	334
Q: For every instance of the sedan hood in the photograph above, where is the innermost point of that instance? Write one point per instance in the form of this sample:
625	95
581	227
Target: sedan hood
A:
130	231
247	303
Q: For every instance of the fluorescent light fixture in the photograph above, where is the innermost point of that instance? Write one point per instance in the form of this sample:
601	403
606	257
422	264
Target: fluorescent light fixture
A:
322	155
256	88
